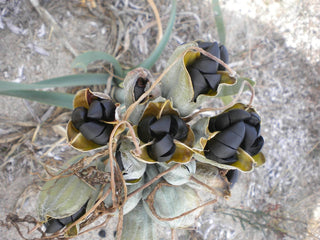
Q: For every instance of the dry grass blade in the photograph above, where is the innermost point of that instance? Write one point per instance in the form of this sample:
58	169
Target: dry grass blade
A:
158	20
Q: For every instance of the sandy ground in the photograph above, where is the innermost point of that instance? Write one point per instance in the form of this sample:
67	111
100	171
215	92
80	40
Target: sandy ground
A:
276	43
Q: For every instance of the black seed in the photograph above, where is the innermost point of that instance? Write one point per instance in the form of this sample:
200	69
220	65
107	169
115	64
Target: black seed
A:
139	87
214	50
229	160
53	225
79	116
103	138
236	115
256	147
250	136
90	130
179	129
215	149
95	110
119	158
204	45
226	119
224	56
200	85
79	213
254	119
102	233
108	110
163	149
218	123
144	132
65	220
225	144
205	65
211	155
138	92
213	80
232	176
161	126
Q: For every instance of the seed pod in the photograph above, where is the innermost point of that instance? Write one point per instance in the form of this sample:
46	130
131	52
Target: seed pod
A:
54	225
138	225
235	140
196	83
132	169
137	82
166	203
92	120
165	136
63	201
132	202
211	176
180	175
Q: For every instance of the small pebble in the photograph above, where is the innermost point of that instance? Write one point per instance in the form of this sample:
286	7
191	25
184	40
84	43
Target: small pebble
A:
102	233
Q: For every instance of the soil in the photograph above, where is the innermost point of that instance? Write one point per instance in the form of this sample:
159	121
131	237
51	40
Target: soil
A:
275	43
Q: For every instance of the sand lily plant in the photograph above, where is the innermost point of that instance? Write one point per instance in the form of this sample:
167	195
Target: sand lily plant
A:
152	146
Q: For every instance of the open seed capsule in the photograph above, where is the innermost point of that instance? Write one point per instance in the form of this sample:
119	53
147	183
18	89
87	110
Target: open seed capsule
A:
197	78
233	130
92	120
165	136
131	168
136	83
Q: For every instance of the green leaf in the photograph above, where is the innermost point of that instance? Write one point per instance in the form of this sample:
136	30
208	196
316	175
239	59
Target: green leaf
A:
52	98
62	197
77	80
65	81
170	202
225	89
138	225
242	225
219	21
84	59
226	100
151	60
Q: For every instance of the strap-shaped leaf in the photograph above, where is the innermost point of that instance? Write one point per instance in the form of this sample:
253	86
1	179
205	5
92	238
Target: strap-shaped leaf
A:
52	98
150	61
65	81
84	59
219	21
